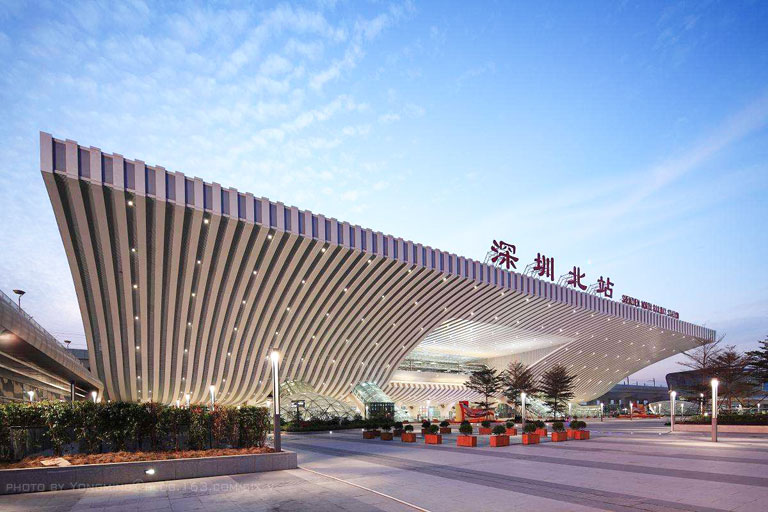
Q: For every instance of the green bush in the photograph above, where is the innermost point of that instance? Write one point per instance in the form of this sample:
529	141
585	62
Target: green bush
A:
399	425
499	430
465	428
433	429
724	418
529	428
510	424
254	423
486	423
558	426
540	424
425	424
578	425
445	423
408	428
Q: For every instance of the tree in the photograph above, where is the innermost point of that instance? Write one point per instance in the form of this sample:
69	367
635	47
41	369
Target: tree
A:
486	382
517	379
701	358
557	387
731	370
758	362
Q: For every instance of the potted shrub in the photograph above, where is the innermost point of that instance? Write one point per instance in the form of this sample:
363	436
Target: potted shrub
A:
466	438
558	432
432	436
445	427
424	427
398	430
408	436
485	428
529	434
571	430
386	435
499	437
368	430
511	430
581	434
541	428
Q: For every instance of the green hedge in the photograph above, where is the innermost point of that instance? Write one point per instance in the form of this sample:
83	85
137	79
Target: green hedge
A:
729	419
115	426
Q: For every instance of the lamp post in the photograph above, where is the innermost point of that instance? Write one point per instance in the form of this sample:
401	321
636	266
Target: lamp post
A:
213	395
522	413
701	404
630	410
672	395
569	410
19	293
94	395
31	395
715	383
602	411
186	399
276	397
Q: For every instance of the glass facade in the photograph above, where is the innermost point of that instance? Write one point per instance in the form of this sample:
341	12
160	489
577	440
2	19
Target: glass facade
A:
315	405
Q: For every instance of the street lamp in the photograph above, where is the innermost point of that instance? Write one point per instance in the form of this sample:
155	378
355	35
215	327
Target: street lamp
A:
522	395
569	409
672	395
701	403
630	409
19	293
715	383
94	395
186	398
213	395
31	396
275	356
602	411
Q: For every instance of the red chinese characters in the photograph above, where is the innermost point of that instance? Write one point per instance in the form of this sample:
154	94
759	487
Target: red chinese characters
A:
575	277
504	254
605	287
545	266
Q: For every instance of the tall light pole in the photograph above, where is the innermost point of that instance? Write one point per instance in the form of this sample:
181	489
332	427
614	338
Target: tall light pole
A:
213	395
522	395
715	383
31	394
630	410
569	409
19	293
701	404
94	394
672	395
275	356
186	398
602	411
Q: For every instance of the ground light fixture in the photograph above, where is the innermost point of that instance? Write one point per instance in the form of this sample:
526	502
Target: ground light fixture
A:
275	356
672	396
150	471
715	383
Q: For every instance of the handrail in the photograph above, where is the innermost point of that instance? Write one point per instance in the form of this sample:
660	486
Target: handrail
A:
41	332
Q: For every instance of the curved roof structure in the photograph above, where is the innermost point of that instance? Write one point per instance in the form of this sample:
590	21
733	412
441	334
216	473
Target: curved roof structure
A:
184	284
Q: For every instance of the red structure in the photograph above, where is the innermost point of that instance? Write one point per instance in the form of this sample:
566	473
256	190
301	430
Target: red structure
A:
465	412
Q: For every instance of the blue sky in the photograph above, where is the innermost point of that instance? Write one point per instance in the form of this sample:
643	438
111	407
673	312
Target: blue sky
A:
628	138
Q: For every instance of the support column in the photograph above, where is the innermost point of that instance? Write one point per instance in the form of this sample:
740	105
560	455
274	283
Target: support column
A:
71	391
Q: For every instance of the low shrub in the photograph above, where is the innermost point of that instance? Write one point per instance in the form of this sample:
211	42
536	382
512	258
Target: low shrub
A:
729	419
465	428
433	429
425	424
499	430
486	423
540	424
510	424
529	428
558	426
578	425
399	425
445	423
408	428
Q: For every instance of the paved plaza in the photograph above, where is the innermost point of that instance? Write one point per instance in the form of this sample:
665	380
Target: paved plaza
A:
626	466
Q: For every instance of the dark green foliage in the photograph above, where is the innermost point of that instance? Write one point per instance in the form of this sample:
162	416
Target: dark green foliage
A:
433	429
510	424
465	428
425	424
399	425
148	424
557	387
730	419
758	362
558	426
254	423
117	422
445	423
408	428
499	430
486	423
578	425
539	424
517	379
529	428
486	382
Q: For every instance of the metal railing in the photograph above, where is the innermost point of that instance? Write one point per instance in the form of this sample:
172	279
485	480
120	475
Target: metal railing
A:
39	330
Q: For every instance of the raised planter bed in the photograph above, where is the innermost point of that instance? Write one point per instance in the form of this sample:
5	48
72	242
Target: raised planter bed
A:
570	433
17	481
498	441
397	432
386	436
484	431
541	432
530	439
511	431
433	439
369	434
467	441
581	435
739	429
558	437
408	437
445	430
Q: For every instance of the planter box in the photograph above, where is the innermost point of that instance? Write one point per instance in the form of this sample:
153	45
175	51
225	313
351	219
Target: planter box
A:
408	437
368	434
541	432
397	432
468	441
484	431
376	433
581	435
445	430
16	481
511	431
433	439
559	436
570	433
530	439
502	440
386	436
740	429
